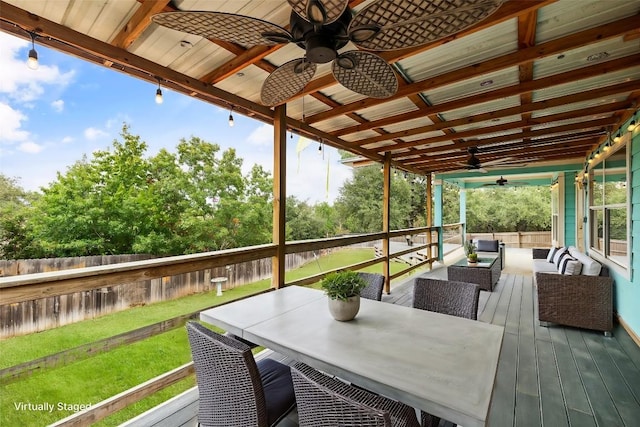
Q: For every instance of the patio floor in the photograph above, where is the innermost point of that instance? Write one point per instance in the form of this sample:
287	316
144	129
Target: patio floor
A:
555	376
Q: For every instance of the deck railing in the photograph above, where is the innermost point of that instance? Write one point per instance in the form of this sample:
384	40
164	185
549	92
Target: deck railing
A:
16	289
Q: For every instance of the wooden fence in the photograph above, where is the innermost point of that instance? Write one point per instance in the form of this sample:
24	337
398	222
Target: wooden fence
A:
516	239
45	313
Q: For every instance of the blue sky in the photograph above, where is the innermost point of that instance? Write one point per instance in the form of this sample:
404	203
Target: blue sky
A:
67	108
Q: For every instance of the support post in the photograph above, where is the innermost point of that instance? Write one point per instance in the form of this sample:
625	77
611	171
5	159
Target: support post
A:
429	218
279	193
438	217
386	212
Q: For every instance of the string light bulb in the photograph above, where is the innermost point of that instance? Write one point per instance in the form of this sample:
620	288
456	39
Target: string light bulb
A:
632	125
32	61
617	138
159	94
231	122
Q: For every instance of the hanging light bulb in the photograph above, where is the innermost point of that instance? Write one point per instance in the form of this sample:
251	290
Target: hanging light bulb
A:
617	138
231	122
32	61
632	125
159	94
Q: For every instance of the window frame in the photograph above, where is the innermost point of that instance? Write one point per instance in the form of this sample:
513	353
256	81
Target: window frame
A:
599	166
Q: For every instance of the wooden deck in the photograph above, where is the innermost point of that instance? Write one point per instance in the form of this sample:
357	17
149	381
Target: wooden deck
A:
553	376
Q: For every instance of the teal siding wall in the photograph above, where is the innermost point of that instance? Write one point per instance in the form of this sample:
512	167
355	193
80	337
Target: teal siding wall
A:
569	209
627	292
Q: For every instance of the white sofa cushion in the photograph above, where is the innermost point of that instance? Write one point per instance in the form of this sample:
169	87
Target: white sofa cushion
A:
590	267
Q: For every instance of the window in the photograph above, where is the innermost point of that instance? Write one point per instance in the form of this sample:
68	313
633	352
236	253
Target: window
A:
609	222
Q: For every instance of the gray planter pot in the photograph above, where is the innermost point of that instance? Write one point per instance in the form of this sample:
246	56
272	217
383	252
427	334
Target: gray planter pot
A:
344	310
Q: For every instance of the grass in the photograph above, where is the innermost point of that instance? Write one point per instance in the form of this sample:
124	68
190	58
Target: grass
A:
99	377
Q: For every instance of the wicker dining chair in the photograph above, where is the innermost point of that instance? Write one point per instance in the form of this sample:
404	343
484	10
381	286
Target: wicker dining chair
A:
233	389
448	297
375	285
324	401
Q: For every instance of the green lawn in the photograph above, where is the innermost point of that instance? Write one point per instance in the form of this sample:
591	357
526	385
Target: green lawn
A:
99	377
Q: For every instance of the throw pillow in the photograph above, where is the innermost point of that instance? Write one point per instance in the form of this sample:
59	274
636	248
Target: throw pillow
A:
569	266
558	255
551	253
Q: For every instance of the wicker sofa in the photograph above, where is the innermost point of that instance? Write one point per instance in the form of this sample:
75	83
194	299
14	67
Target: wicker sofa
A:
583	300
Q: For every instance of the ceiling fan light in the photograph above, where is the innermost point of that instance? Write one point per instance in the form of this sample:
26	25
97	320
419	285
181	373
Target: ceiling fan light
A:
347	62
301	66
363	33
316	12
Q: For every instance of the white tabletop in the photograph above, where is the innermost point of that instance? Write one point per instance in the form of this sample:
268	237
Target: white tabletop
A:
442	364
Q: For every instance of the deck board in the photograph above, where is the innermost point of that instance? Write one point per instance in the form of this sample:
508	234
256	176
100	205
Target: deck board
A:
551	376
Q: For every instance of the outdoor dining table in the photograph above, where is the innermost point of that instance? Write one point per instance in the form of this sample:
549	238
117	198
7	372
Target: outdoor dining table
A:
441	364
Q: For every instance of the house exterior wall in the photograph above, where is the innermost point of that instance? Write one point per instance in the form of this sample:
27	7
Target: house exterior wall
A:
569	209
627	291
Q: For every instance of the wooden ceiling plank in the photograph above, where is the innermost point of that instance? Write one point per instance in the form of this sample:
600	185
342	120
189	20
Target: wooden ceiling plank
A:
572	41
531	107
140	20
567	77
590	124
599	109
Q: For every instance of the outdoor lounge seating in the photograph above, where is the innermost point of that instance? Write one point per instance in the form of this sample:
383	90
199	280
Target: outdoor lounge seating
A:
232	388
573	290
490	247
324	401
375	285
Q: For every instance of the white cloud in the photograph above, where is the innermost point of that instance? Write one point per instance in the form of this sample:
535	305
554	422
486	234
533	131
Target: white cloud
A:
21	84
67	140
11	123
262	136
94	133
58	105
30	147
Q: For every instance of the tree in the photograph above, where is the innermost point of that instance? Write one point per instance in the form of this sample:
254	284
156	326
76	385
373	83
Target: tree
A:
122	202
360	201
15	210
529	209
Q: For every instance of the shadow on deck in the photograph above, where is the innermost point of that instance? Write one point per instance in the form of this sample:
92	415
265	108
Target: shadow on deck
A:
555	376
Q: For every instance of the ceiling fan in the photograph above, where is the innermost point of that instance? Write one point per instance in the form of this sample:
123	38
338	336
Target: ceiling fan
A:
323	27
501	182
473	162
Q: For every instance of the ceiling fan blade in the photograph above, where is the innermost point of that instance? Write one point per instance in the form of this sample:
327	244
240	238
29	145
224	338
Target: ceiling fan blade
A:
319	12
287	80
497	161
239	29
393	24
365	73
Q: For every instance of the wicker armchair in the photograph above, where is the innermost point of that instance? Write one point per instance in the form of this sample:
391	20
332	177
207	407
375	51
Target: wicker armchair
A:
324	401
447	297
232	388
375	285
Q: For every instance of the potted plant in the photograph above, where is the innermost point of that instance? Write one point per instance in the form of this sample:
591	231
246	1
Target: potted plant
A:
343	289
470	252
